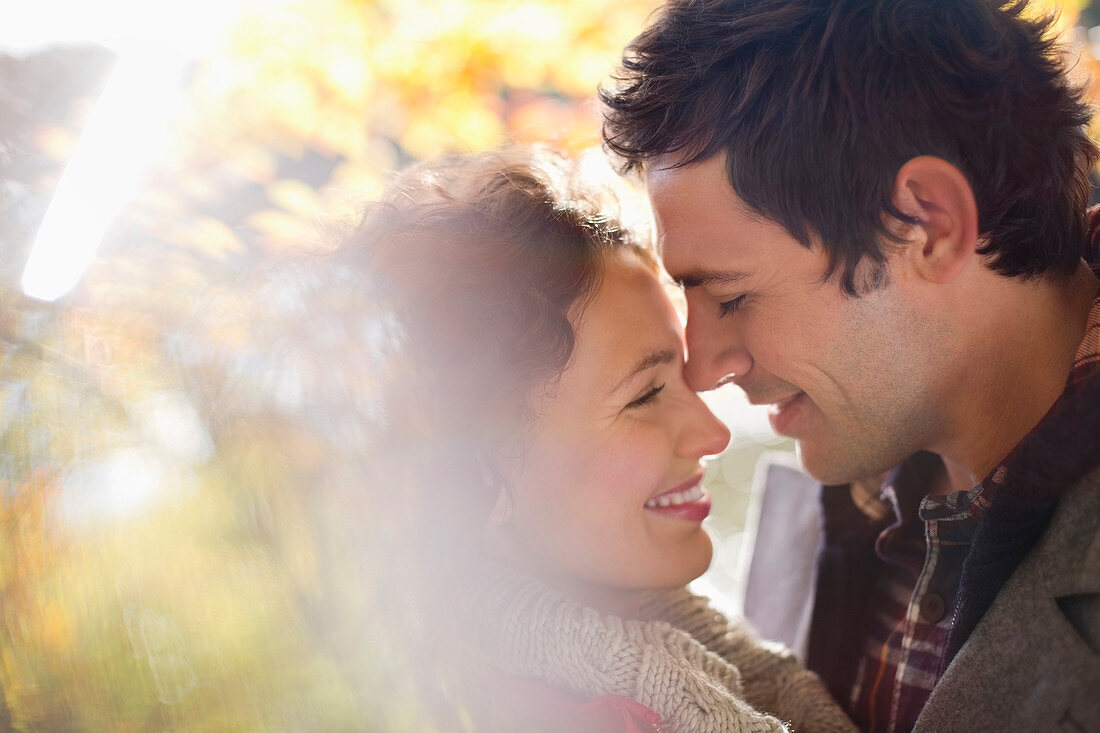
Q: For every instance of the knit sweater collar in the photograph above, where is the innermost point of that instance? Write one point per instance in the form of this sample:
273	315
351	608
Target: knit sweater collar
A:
527	629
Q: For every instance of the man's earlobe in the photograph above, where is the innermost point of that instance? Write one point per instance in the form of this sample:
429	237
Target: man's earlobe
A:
938	196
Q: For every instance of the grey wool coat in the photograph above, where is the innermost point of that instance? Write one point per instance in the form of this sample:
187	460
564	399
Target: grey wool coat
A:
1033	661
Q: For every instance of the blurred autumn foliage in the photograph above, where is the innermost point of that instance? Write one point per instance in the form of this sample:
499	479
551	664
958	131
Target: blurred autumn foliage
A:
194	532
189	534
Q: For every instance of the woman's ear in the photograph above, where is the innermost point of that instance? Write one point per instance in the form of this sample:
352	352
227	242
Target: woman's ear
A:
501	511
937	195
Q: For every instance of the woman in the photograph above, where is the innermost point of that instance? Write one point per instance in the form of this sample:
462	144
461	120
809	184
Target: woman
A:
556	452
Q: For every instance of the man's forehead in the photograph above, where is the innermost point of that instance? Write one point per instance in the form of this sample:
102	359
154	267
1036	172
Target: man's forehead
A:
696	191
667	161
696	256
670	171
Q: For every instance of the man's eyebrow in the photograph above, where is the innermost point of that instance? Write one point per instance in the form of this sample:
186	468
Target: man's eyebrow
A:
701	278
665	356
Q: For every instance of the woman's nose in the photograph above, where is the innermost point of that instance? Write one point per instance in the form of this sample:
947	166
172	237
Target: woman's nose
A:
704	434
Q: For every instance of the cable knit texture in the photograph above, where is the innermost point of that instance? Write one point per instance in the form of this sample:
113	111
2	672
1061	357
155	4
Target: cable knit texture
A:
683	659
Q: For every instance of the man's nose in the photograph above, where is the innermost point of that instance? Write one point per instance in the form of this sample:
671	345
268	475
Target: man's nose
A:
716	351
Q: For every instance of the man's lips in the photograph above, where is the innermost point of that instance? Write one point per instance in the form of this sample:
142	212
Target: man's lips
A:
772	397
683	501
783	414
777	405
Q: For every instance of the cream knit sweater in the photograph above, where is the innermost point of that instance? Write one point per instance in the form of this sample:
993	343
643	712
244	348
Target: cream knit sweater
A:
684	660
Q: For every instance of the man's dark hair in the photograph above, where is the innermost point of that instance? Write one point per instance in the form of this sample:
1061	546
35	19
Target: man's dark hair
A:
818	103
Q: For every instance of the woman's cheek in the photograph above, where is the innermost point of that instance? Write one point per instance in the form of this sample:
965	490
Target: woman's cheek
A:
635	463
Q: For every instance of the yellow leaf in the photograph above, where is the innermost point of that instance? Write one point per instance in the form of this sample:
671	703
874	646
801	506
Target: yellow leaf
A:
284	231
295	196
56	630
213	238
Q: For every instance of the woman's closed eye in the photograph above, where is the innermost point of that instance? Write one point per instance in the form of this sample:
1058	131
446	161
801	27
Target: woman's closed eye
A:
729	307
647	397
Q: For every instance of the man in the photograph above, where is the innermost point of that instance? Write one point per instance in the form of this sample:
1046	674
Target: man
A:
877	211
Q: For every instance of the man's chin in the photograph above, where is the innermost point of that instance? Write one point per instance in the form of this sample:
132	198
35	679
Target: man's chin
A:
829	469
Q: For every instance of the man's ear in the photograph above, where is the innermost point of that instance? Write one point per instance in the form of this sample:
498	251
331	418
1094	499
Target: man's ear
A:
938	196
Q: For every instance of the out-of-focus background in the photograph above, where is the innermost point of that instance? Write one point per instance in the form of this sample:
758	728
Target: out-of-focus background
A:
175	553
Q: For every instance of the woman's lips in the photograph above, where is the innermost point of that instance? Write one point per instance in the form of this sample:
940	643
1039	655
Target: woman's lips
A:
685	501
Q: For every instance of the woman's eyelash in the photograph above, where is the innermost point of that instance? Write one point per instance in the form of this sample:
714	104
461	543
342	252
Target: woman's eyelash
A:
729	307
647	397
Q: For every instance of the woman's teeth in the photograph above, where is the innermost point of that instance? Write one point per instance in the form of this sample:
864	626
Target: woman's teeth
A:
695	493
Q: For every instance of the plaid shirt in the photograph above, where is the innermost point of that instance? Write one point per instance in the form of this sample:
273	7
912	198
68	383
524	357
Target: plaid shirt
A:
913	626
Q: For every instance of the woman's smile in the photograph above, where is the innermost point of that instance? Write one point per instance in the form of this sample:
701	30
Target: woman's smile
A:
686	501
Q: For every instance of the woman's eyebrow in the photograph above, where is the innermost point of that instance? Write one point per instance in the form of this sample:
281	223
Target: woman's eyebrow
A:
664	356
